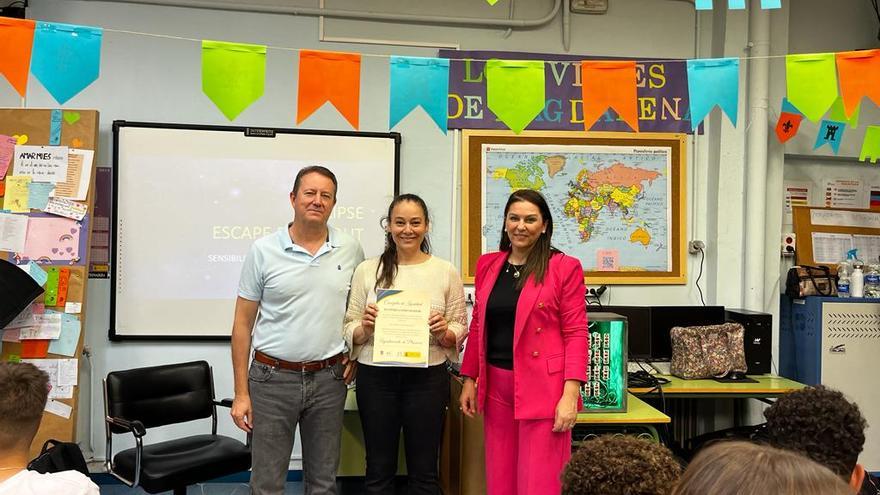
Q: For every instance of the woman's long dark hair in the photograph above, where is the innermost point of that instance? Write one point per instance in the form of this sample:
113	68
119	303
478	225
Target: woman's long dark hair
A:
539	256
387	268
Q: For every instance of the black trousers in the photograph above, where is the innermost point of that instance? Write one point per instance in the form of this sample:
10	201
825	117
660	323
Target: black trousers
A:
413	399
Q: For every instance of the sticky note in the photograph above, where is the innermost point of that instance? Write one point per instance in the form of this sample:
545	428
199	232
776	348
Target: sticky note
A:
51	297
63	280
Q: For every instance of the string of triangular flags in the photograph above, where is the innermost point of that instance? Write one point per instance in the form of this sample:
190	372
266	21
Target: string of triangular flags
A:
707	4
65	59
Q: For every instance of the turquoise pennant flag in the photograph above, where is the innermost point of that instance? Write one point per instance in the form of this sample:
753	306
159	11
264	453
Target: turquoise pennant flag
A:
233	75
66	58
515	91
831	133
703	4
789	108
736	4
713	81
419	81
771	4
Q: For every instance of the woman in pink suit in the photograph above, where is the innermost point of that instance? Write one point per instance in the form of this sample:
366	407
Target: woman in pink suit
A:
527	352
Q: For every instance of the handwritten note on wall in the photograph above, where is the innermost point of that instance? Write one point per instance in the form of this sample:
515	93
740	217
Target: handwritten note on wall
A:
41	163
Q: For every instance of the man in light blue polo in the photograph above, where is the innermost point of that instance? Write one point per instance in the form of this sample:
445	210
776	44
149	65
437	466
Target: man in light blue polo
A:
290	306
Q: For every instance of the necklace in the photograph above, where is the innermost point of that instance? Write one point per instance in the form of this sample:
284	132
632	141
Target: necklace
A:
515	269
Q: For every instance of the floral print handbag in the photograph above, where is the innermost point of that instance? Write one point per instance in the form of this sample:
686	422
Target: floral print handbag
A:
710	351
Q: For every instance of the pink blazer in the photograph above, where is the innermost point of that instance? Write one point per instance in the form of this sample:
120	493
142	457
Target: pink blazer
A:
549	335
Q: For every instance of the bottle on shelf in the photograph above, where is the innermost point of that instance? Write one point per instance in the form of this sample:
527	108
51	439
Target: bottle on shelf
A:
843	281
872	281
857	276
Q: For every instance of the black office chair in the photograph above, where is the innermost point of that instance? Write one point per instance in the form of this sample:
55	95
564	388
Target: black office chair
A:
137	399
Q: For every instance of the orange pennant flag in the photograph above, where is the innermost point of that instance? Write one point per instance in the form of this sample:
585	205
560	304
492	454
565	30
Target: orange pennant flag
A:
858	73
329	76
609	84
16	40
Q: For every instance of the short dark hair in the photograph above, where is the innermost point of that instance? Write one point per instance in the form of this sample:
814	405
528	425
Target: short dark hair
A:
820	423
314	169
24	389
620	465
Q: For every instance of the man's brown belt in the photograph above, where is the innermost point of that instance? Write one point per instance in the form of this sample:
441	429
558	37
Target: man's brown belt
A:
297	366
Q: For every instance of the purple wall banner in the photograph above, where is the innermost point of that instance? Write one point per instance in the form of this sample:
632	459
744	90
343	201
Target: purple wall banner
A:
663	102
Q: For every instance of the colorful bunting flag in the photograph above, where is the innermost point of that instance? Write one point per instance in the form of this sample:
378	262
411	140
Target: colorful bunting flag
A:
771	4
515	91
839	114
811	80
831	133
787	126
858	72
329	76
492	2
871	145
736	4
703	4
788	107
233	75
66	58
713	82
419	81
16	40
610	84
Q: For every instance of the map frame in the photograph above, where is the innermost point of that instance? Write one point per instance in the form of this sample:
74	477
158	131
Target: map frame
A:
473	168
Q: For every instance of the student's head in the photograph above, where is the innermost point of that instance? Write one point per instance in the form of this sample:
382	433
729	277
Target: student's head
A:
528	228
23	392
821	424
620	465
742	468
406	230
313	195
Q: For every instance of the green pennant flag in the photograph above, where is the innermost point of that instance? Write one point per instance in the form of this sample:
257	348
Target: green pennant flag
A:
811	80
838	113
871	145
515	91
233	75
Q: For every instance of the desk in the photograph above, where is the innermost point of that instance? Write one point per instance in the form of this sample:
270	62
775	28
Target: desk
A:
768	386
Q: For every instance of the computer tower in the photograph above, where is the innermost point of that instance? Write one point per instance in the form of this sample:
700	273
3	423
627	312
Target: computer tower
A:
758	340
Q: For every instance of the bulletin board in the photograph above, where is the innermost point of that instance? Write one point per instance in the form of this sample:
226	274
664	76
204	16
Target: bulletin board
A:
62	249
830	228
613	196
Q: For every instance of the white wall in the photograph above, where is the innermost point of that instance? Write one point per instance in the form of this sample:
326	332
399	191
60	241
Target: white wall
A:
158	79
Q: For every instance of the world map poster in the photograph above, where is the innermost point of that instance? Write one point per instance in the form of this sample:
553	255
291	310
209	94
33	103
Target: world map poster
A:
610	204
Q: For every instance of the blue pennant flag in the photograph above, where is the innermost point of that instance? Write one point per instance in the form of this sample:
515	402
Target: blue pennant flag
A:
713	81
66	58
419	81
771	4
736	4
703	4
830	132
789	108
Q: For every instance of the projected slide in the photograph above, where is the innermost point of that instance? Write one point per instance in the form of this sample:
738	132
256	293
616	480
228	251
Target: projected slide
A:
190	202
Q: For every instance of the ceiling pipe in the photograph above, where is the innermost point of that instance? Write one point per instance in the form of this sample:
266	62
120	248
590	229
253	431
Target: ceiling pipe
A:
355	14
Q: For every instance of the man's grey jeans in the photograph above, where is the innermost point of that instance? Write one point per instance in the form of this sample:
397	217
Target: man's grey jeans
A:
281	399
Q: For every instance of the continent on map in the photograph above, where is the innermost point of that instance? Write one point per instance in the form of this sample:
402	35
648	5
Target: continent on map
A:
554	164
616	188
524	175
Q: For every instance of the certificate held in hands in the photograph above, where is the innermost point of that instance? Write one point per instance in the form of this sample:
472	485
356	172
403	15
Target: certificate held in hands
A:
401	336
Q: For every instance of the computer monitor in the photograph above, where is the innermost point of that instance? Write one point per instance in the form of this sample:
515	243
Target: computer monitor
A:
638	328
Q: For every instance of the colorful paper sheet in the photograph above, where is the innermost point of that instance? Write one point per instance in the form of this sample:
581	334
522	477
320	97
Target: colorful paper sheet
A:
16	199
66	208
713	82
79	175
38	194
55	127
66	58
830	133
787	126
871	145
859	72
515	91
67	341
610	84
329	76
417	81
37	273
13	232
233	75
34	349
7	149
52	238
41	163
811	80
16	41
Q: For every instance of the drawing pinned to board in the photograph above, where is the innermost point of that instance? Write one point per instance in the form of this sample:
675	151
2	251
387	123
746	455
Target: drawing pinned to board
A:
54	239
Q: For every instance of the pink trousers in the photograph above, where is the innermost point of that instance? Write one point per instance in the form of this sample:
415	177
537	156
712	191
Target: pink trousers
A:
523	457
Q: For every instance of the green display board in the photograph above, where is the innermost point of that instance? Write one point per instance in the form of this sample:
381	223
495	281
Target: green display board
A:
605	388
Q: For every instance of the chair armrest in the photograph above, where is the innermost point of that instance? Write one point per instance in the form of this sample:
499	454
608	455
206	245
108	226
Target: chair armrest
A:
223	402
135	427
